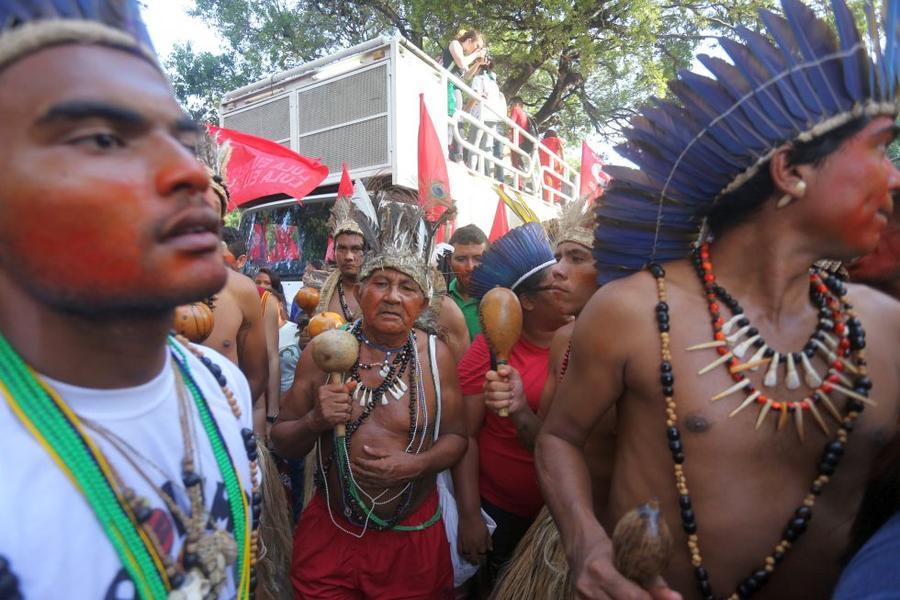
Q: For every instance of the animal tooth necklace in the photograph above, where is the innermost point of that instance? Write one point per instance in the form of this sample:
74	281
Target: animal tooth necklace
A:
831	456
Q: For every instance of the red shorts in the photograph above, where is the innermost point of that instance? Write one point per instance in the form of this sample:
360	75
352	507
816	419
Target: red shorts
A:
390	565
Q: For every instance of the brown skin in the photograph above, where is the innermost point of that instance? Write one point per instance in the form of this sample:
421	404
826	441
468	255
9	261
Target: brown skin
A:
463	261
574	282
540	319
452	325
391	301
238	331
881	268
93	251
760	476
348	253
267	404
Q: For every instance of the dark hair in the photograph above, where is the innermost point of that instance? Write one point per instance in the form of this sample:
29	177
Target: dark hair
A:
318	264
550	133
532	282
275	278
516	100
469	34
232	239
736	206
470	234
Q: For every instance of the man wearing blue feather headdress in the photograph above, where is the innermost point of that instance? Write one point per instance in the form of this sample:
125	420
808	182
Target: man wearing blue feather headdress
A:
738	371
128	463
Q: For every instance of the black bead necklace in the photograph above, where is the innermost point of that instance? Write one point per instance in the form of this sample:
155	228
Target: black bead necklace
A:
345	308
831	455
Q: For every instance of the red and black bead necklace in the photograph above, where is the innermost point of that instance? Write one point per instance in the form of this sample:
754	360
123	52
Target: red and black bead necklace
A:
831	456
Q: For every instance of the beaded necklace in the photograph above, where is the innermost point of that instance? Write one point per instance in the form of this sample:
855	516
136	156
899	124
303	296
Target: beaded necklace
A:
345	308
831	456
60	432
837	331
357	510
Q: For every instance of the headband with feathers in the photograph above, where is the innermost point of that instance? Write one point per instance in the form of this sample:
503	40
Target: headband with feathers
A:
576	224
397	234
519	254
798	84
27	26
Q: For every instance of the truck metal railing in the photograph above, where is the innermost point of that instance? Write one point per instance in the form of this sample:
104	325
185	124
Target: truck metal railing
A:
542	182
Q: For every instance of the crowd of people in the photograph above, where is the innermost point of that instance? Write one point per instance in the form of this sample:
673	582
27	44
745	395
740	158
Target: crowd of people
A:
467	58
662	425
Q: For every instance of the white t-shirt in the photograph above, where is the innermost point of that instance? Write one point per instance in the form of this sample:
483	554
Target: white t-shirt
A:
48	532
485	85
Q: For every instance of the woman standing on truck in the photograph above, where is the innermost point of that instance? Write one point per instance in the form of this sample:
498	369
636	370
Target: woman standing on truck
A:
462	57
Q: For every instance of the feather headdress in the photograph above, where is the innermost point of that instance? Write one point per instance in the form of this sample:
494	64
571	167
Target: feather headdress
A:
512	259
397	235
575	225
215	157
353	215
27	26
798	84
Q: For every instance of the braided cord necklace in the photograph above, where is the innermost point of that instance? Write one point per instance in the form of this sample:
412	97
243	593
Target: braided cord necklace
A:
60	432
831	456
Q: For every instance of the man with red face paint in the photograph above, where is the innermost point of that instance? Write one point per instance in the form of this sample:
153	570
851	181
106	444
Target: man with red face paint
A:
881	268
374	527
127	456
751	390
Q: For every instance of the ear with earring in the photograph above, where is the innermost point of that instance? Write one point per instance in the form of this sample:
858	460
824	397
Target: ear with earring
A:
799	191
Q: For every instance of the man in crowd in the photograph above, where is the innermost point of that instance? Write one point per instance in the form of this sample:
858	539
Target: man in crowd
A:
339	293
238	329
469	244
701	358
103	232
376	506
497	472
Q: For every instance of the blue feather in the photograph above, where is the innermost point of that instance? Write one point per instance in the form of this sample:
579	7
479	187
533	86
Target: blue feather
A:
520	250
854	64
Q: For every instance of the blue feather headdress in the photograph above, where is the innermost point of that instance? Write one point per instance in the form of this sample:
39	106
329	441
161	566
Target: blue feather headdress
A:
512	259
30	25
799	85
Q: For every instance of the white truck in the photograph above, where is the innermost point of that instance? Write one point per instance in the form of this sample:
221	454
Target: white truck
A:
360	106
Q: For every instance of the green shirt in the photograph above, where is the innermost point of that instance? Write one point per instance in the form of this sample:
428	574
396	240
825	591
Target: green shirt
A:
469	308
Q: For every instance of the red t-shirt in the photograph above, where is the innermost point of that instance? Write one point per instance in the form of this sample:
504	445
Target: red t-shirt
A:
506	475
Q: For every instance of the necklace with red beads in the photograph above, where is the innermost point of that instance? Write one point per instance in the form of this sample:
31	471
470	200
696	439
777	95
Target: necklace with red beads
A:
852	352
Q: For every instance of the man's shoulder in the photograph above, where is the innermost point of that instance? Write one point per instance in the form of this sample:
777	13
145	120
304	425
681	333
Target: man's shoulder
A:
867	299
627	297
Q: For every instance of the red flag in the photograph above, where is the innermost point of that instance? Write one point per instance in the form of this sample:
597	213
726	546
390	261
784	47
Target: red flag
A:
259	167
434	184
593	179
501	225
345	188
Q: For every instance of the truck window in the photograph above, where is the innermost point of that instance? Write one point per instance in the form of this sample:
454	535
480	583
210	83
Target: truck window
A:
284	237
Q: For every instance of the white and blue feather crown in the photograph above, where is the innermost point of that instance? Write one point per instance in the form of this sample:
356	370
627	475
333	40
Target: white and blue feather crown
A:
519	254
794	86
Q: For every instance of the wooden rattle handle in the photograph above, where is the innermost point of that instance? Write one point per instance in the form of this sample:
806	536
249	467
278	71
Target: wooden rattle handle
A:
340	430
503	412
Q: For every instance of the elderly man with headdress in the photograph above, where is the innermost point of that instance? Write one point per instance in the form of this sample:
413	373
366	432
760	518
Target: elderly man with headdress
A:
751	389
129	467
374	527
497	473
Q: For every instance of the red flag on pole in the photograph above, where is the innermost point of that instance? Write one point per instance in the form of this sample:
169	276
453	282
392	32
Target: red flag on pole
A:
501	225
259	167
345	188
593	179
434	184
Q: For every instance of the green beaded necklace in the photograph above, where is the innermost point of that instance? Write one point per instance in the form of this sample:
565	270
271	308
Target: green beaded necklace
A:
59	431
